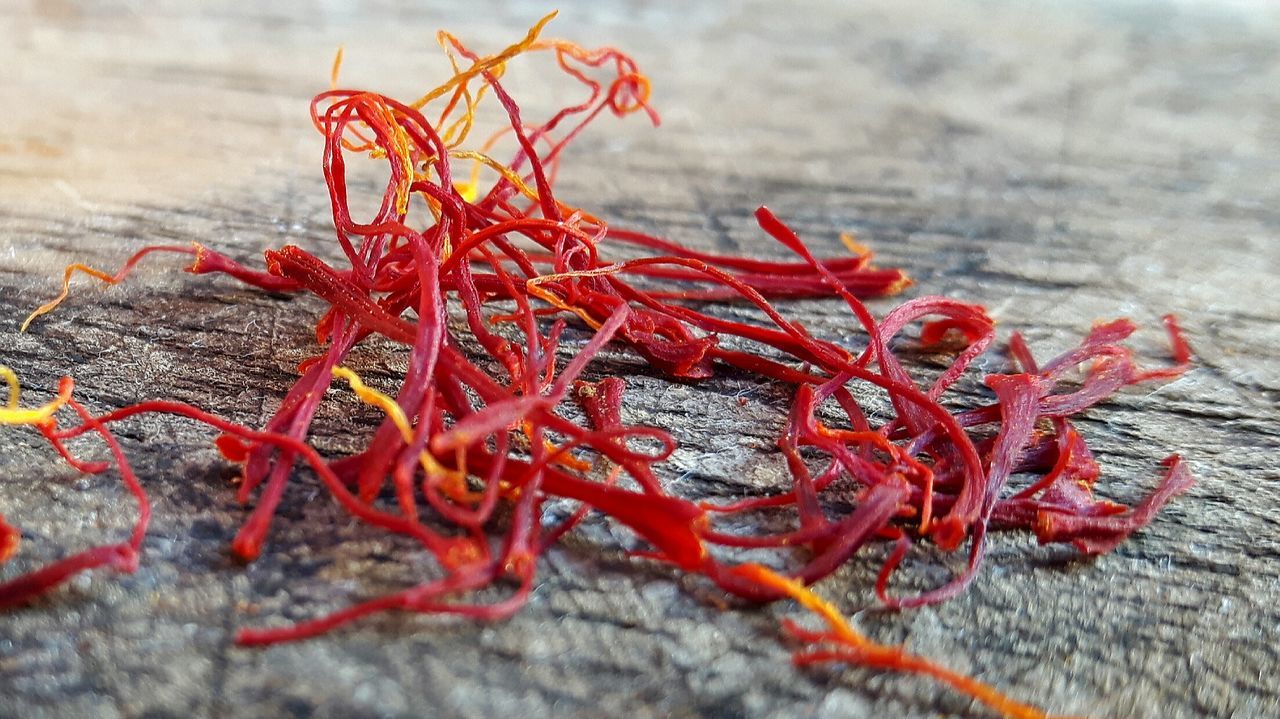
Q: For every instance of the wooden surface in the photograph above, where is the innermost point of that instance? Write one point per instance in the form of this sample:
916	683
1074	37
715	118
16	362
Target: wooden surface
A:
1059	162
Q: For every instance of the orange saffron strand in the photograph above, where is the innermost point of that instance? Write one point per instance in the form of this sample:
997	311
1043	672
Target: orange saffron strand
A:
99	274
855	648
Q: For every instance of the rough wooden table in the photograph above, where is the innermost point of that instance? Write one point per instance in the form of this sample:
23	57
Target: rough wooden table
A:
1059	162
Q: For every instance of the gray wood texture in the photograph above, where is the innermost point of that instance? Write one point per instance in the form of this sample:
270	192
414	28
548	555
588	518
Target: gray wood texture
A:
1058	162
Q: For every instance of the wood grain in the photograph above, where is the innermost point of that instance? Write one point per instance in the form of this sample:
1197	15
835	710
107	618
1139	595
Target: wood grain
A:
1059	163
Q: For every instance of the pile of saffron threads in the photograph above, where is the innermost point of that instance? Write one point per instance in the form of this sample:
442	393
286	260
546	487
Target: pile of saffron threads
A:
478	421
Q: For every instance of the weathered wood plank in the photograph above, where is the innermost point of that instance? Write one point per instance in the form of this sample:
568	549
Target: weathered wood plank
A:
1058	163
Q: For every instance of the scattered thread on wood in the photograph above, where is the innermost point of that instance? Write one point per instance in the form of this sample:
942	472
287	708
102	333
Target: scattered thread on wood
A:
479	420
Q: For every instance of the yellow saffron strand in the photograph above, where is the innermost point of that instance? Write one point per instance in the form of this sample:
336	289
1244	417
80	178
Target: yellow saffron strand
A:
15	389
456	133
850	242
395	413
470	190
373	397
389	406
337	67
484	64
14	415
399	143
482	159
